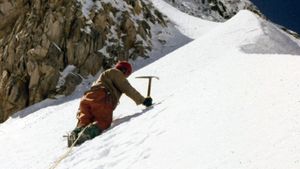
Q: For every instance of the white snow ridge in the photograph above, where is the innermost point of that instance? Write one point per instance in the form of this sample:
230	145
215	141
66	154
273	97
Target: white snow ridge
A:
230	99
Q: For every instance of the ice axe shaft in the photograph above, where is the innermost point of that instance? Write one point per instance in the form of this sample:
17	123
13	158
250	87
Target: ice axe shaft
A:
149	82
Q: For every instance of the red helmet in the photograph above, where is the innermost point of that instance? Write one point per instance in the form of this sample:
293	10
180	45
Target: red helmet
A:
125	67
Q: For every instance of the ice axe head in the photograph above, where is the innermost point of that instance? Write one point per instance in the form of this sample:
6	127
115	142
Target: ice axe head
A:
149	82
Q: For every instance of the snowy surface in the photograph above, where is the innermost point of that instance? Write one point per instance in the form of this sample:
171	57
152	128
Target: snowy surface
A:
223	101
192	27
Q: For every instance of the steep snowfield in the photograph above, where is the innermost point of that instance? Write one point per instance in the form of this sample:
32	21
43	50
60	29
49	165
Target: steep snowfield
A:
223	101
190	26
181	30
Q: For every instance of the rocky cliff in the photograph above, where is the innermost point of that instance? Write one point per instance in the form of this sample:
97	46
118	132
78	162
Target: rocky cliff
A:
39	39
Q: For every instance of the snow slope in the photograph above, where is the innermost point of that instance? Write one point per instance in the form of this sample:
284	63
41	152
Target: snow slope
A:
190	26
181	30
223	101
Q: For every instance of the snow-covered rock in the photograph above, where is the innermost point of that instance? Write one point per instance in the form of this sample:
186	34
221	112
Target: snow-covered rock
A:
214	10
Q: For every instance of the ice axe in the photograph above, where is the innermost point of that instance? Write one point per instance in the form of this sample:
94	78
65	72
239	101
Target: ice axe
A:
149	82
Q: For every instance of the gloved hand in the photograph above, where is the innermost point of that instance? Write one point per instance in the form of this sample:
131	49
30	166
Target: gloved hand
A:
147	102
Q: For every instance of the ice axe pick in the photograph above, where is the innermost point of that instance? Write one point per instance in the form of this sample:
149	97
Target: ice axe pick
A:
149	82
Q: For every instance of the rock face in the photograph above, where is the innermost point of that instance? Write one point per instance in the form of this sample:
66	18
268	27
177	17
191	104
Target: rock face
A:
39	39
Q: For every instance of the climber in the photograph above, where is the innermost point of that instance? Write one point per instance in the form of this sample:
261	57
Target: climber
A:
96	106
